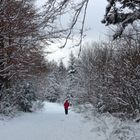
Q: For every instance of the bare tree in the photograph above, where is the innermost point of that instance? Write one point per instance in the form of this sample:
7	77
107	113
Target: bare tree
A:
65	9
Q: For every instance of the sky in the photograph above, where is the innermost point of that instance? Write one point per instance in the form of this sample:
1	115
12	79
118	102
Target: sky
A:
97	31
95	13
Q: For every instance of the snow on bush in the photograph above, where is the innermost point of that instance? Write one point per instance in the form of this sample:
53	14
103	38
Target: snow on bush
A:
37	105
107	126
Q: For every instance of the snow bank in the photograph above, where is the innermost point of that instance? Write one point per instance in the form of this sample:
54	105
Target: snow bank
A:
109	127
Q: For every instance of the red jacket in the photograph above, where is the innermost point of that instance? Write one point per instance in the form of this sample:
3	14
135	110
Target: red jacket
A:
66	104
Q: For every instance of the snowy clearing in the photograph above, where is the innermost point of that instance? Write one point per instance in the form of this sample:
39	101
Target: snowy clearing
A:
52	124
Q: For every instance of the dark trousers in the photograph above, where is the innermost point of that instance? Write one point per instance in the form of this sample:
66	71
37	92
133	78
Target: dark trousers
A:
66	111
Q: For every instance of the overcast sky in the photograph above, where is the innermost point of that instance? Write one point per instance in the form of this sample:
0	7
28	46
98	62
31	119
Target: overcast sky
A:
95	13
97	32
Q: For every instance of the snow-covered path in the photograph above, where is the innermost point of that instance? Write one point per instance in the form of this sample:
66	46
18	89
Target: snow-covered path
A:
49	124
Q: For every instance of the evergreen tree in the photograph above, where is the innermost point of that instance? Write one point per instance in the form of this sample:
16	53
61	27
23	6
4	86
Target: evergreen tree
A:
71	75
72	63
122	13
56	83
26	97
61	70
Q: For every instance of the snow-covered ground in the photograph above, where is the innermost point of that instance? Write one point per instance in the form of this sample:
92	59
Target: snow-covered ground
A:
49	124
52	124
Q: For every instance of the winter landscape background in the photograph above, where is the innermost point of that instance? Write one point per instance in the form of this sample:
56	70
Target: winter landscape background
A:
101	81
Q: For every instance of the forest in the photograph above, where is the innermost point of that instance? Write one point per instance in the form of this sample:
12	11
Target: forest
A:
105	74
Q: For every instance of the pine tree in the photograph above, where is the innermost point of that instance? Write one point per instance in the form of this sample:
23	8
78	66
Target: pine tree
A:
26	97
61	70
123	13
71	76
56	83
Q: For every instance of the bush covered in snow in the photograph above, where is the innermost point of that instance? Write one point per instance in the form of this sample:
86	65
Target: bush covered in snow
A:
20	97
7	103
26	96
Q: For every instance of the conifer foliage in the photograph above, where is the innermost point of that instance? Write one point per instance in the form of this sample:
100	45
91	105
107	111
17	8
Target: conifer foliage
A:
122	13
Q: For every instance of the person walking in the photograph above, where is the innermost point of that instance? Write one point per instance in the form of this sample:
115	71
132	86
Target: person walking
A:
66	106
